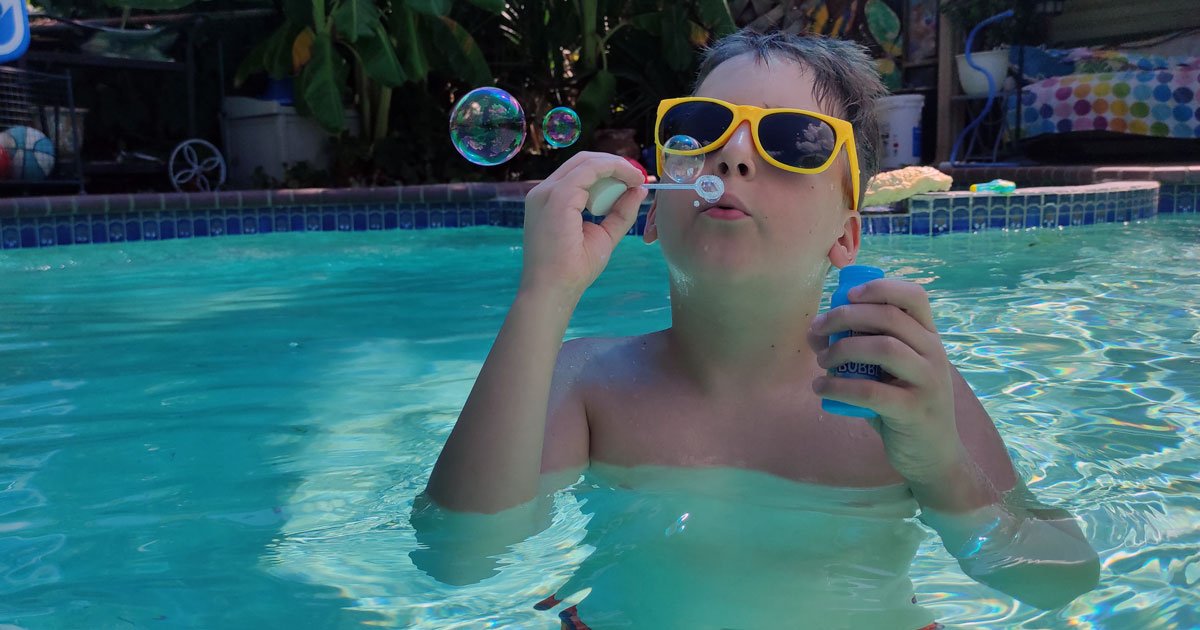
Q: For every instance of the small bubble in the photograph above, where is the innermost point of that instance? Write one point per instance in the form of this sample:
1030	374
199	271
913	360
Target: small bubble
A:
696	203
561	127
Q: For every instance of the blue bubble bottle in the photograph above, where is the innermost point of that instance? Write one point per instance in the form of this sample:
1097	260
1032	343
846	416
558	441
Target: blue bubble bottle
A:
850	277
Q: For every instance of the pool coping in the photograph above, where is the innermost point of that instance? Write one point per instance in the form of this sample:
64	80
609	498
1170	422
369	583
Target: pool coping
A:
66	220
240	199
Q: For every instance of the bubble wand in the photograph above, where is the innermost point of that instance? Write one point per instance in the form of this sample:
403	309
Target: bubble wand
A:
604	193
676	165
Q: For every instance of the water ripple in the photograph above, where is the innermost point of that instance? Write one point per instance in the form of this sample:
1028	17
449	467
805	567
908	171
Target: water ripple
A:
184	425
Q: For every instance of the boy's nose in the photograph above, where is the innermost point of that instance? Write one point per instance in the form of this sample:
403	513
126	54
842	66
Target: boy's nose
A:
737	156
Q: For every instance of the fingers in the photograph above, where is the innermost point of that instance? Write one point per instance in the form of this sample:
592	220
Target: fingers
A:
570	165
816	341
879	319
889	353
881	398
567	187
586	167
624	213
592	171
909	297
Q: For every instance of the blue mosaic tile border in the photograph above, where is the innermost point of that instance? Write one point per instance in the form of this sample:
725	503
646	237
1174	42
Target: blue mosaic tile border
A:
1112	202
1181	198
929	215
119	227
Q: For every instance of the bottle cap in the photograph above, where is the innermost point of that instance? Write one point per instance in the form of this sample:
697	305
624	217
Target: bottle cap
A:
858	274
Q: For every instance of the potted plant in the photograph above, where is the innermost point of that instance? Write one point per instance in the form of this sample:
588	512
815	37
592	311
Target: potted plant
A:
344	58
991	46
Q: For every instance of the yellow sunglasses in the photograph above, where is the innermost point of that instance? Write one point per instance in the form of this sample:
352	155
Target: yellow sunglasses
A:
794	140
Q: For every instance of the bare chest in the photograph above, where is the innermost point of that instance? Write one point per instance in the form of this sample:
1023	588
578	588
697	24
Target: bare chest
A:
788	436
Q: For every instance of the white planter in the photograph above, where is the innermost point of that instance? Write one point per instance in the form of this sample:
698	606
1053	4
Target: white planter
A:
973	82
267	134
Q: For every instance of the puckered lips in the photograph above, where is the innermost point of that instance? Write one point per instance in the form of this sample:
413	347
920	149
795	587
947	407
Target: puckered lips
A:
727	208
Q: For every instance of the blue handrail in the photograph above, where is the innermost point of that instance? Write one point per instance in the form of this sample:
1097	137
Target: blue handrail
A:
990	80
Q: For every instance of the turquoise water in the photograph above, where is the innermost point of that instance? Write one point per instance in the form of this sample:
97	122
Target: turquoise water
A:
230	432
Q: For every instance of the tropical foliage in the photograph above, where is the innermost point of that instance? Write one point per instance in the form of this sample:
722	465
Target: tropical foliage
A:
1026	26
84	9
365	48
403	64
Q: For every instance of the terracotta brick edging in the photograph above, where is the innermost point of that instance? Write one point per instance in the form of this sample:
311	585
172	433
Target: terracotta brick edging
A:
475	192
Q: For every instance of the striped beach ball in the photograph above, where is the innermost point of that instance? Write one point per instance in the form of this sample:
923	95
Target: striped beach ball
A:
5	164
31	151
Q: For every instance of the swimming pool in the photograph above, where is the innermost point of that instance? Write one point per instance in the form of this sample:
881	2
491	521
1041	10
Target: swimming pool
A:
230	432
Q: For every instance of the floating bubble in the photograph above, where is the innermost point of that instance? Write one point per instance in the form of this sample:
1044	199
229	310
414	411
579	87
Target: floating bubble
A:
682	168
561	127
710	188
487	126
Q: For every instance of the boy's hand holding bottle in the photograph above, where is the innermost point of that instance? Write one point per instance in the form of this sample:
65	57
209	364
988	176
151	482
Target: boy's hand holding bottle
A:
914	398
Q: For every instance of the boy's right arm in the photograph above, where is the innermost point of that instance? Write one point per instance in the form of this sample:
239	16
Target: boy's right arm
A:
492	460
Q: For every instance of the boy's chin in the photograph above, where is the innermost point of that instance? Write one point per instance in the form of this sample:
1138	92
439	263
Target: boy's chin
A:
732	266
724	269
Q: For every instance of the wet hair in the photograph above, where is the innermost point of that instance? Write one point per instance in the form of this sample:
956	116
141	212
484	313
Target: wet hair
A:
844	80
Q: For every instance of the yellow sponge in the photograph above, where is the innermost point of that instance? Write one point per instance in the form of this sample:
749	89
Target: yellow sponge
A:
892	186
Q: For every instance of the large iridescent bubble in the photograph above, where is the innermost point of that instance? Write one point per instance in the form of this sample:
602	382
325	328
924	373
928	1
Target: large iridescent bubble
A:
561	127
682	168
487	126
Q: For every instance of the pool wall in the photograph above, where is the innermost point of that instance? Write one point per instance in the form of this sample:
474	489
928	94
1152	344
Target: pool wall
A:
76	220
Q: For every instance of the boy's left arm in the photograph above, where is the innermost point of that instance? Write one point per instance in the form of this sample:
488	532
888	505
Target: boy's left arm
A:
940	438
1034	553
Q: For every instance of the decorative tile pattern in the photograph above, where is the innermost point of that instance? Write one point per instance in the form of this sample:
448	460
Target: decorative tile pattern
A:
59	221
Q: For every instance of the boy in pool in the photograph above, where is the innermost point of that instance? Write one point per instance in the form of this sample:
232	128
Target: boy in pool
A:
738	378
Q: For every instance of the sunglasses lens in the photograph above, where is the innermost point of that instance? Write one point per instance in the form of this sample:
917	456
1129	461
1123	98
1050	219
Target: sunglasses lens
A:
797	140
701	120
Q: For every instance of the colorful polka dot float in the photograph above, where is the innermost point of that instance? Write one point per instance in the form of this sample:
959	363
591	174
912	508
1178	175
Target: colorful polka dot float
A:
1162	102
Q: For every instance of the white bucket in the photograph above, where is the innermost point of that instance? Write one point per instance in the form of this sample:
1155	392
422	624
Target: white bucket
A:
900	130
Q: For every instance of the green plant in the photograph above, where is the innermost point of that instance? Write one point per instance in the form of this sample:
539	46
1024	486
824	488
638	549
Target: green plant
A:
360	50
667	31
1025	27
610	60
87	9
298	175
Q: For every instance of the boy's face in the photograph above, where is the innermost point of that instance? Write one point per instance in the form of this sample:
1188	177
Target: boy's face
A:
792	223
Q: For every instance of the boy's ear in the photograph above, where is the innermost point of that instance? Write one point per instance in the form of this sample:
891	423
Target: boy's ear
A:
650	234
845	249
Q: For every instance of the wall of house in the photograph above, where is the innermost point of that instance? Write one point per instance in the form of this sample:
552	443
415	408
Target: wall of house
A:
1115	21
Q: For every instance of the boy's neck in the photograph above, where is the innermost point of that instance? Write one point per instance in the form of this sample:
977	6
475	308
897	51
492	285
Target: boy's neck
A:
731	340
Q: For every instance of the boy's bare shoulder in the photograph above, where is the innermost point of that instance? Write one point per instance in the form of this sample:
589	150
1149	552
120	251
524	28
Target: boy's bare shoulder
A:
595	360
586	377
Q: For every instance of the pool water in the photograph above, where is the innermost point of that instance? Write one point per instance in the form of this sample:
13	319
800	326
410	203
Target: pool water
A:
231	432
